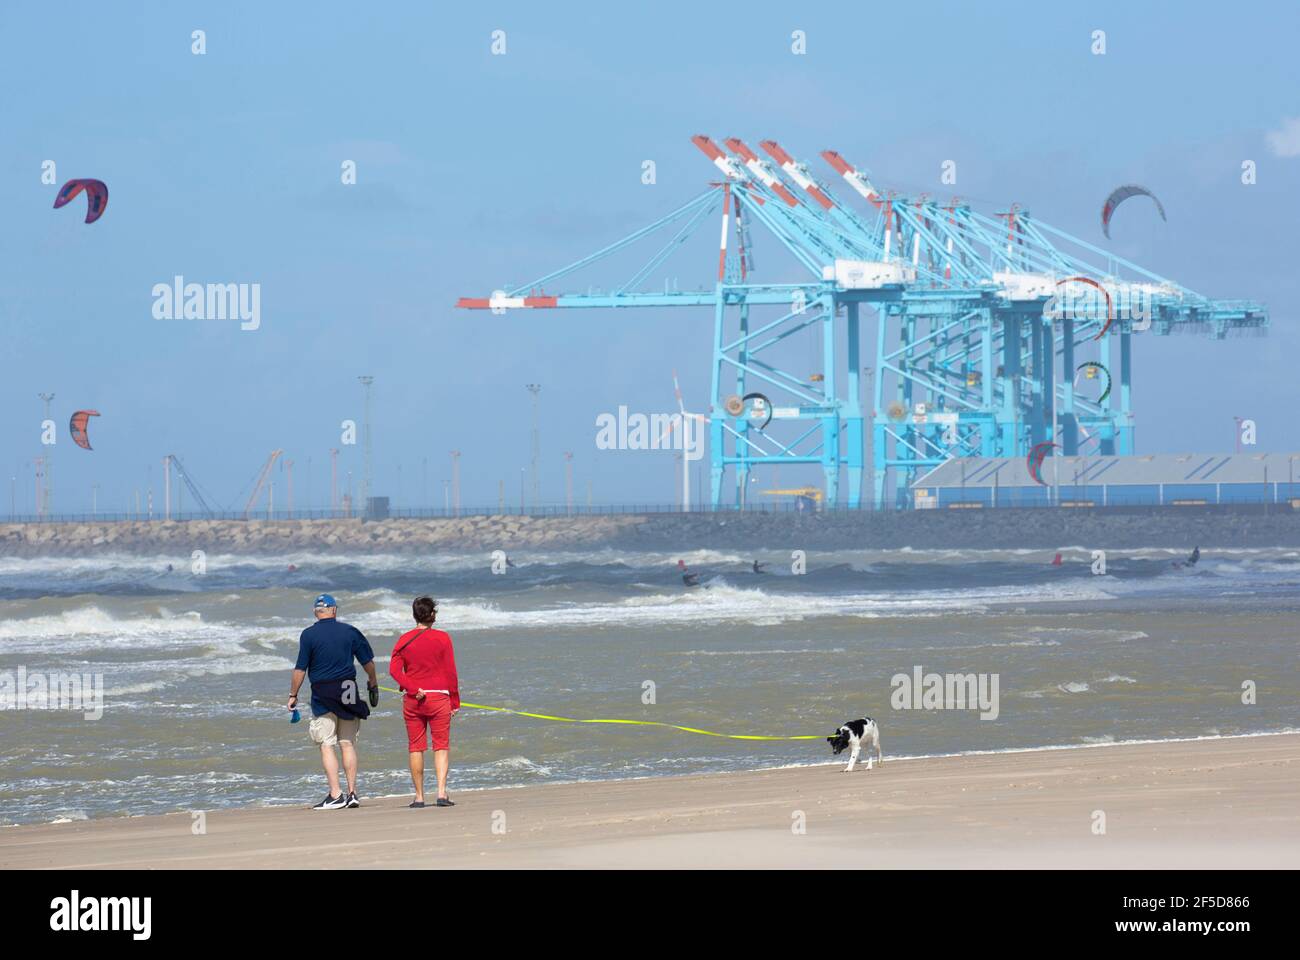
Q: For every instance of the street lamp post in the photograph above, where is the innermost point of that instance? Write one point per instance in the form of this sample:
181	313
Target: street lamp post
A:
48	481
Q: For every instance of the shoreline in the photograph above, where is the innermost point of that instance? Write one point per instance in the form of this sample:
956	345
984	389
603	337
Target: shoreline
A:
1222	801
802	765
808	765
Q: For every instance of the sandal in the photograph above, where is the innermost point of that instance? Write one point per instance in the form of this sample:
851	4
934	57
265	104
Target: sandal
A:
416	804
444	802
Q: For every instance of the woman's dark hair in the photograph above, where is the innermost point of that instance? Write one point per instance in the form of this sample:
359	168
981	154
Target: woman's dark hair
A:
425	609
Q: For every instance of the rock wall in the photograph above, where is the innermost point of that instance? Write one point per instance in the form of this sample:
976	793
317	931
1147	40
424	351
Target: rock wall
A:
925	529
275	536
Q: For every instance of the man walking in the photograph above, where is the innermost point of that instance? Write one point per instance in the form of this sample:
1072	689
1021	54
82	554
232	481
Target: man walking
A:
325	653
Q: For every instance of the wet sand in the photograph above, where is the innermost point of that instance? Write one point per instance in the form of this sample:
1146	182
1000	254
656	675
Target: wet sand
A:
1229	803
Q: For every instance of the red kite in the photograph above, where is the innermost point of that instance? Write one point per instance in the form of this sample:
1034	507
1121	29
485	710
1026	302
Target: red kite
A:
1110	308
77	427
1034	462
96	196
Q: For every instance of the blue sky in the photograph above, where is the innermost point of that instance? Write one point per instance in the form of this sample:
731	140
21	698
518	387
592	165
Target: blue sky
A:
475	171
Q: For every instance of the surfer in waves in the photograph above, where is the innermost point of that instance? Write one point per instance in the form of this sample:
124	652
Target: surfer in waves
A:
688	578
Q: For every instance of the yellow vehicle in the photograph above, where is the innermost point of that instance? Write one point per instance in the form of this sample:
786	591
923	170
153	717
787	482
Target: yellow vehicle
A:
811	495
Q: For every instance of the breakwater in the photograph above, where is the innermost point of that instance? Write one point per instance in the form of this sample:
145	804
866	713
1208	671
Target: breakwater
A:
924	529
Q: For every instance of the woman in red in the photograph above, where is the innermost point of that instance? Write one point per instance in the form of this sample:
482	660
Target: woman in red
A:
424	668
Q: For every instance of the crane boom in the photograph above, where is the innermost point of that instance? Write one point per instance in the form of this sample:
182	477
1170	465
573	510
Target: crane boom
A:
191	485
261	482
854	177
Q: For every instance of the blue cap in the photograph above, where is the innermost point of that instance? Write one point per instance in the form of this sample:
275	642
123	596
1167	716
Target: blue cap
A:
325	600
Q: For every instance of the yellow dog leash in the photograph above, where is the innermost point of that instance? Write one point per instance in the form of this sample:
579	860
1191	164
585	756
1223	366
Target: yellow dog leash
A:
637	723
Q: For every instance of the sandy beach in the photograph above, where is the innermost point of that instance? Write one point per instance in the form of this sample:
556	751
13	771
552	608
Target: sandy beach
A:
1225	803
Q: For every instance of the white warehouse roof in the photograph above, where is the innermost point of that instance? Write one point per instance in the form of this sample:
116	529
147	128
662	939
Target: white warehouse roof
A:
1156	468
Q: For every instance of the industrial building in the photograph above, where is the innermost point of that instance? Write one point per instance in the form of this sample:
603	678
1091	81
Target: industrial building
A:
1173	479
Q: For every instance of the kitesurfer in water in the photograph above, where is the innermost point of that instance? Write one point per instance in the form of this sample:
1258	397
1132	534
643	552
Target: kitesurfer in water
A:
688	578
758	567
1190	561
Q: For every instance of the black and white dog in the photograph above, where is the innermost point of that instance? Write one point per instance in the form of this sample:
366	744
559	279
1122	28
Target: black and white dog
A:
854	734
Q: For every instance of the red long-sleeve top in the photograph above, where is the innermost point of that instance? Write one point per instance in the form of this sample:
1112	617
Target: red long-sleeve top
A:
424	660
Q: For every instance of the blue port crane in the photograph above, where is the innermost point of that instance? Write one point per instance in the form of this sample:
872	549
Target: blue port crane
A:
981	322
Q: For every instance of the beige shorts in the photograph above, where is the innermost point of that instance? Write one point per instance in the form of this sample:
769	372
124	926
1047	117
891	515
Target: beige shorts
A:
328	729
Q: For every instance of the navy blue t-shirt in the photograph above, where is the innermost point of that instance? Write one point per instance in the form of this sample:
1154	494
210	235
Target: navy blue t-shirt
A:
326	650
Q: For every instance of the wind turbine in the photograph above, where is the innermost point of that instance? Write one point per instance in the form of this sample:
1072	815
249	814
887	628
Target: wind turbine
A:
686	438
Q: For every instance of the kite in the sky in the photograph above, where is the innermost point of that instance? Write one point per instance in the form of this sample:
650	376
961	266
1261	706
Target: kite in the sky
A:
1110	307
1091	370
767	405
77	427
96	196
1119	195
1034	462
